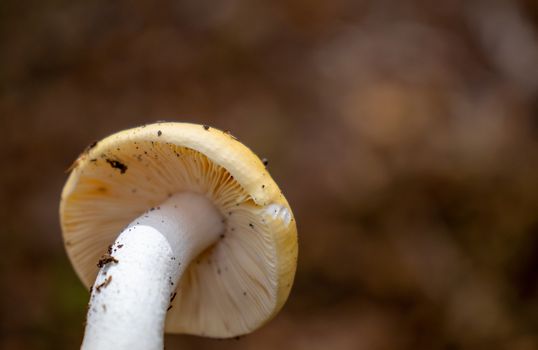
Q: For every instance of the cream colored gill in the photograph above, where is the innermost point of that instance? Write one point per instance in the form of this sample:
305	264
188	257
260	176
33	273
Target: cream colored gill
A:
234	286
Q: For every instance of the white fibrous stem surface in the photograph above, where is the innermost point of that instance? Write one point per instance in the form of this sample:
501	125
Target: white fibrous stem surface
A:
137	282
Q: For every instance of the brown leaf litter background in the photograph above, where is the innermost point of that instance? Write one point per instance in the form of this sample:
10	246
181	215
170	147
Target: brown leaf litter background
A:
403	133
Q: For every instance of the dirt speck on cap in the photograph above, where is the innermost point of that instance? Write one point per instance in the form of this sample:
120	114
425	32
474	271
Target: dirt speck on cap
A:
116	164
227	132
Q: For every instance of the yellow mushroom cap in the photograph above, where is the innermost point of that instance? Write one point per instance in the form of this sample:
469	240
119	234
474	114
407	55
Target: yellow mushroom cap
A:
236	285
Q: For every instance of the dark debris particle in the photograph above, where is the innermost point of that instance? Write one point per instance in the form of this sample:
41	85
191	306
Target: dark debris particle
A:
244	293
106	259
169	307
120	245
117	165
173	297
265	161
222	235
105	283
250	224
227	132
159	133
109	249
206	127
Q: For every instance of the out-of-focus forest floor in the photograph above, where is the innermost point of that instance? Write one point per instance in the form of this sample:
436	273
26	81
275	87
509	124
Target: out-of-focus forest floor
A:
403	133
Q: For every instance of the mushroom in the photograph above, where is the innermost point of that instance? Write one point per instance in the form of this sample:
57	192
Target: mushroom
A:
179	228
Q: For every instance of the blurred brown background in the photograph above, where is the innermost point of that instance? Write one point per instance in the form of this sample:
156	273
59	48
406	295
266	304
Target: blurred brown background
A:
404	134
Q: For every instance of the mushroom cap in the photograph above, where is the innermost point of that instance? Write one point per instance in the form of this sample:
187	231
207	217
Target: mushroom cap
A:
233	287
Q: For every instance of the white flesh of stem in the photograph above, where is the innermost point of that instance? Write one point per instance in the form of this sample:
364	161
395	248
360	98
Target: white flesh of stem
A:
130	297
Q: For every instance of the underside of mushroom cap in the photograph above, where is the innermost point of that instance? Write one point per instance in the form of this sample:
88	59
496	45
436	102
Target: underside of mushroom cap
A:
234	286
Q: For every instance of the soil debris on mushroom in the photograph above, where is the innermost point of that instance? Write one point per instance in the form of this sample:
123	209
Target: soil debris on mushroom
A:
116	164
106	259
105	283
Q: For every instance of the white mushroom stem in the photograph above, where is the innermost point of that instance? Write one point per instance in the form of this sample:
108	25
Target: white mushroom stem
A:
132	293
